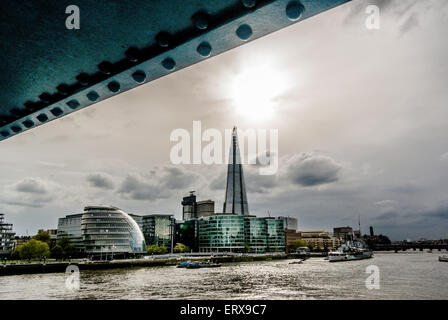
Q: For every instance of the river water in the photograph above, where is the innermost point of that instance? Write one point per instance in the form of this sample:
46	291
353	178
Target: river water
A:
404	275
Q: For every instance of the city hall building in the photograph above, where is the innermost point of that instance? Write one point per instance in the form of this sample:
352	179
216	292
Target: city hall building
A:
109	231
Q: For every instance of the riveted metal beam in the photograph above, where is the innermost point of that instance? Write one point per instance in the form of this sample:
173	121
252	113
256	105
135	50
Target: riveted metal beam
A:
186	33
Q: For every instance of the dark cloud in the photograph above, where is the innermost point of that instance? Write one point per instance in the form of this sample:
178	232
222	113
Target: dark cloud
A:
440	213
31	186
177	178
134	187
101	181
308	169
24	204
387	216
259	183
158	184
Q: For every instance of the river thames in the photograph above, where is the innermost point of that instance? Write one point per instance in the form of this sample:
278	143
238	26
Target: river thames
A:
404	275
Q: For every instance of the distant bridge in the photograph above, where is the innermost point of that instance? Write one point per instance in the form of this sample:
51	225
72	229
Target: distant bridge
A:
409	246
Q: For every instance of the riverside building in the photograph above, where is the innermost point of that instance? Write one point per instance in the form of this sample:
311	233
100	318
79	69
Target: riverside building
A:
158	229
6	237
70	227
238	233
109	232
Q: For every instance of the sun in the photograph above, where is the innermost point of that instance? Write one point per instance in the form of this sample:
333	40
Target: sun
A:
255	91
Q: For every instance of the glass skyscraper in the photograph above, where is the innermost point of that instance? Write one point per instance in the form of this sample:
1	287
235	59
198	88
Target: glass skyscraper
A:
236	199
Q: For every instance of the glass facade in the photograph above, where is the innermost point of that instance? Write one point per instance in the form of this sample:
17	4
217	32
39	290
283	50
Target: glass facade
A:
109	230
70	227
6	237
186	232
236	199
256	234
237	233
157	229
222	233
275	234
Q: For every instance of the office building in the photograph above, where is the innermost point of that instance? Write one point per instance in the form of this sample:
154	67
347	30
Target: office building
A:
343	233
275	234
187	233
256	234
240	233
320	240
289	223
236	200
205	208
189	209
6	237
158	229
194	209
291	236
70	227
109	232
222	233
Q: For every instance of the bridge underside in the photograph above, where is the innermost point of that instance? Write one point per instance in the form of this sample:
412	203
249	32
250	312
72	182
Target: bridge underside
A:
49	71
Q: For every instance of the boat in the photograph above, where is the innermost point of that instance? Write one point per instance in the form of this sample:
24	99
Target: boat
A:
197	265
183	264
296	262
443	258
352	250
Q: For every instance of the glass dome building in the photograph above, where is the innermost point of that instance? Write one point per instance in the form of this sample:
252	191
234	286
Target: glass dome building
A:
109	232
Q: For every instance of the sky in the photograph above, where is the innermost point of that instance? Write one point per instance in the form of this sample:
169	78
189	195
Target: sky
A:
362	127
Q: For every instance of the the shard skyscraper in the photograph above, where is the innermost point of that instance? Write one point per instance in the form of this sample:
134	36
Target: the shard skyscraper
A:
236	200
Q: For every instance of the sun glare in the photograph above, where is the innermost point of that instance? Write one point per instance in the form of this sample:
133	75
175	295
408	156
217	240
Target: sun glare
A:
255	91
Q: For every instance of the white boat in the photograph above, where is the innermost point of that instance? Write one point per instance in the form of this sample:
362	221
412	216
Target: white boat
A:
356	250
443	258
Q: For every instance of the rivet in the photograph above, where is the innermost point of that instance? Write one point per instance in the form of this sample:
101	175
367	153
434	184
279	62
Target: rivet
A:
56	111
114	86
45	97
42	117
204	49
83	79
139	76
16	129
163	39
105	67
92	96
28	123
73	104
244	32
168	64
294	10
63	89
132	54
200	20
249	3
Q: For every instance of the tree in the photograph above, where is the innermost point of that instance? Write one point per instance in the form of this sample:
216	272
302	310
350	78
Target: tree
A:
180	247
57	252
68	250
296	244
43	236
33	249
247	247
154	249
